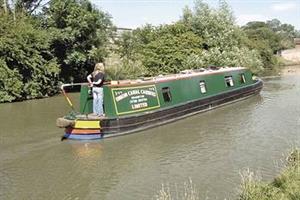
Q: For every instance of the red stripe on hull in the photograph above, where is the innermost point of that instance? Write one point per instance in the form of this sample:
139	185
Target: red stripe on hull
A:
83	131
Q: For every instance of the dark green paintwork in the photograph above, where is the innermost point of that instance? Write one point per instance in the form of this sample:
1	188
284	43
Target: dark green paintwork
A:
182	91
86	100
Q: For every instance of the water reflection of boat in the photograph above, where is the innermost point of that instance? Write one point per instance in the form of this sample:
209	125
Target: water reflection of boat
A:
87	150
134	105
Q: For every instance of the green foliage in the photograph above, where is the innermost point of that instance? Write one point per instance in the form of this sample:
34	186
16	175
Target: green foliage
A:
266	53
215	26
127	69
206	36
297	33
168	51
229	57
28	6
26	60
269	38
128	45
222	39
10	83
61	43
80	36
160	49
259	32
283	29
203	37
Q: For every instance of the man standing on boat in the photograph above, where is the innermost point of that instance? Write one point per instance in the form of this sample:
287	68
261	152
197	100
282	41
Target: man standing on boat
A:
96	79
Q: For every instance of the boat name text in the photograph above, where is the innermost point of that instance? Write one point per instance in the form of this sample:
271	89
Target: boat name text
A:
135	94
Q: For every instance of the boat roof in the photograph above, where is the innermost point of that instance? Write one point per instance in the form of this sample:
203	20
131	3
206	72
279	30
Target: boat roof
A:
182	75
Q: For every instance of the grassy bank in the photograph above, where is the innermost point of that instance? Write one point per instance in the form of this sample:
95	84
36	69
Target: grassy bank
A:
284	187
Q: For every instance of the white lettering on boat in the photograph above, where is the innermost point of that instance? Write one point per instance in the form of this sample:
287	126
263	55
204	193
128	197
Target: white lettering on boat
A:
137	97
139	105
122	96
135	94
147	92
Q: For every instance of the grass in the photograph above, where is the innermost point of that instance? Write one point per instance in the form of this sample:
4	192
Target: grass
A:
189	192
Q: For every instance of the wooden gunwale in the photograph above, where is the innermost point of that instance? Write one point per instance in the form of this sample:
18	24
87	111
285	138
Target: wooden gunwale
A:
175	77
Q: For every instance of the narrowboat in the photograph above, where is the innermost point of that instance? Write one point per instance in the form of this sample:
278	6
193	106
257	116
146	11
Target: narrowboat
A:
135	105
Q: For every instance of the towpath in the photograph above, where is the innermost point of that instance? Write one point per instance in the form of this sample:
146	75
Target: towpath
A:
292	55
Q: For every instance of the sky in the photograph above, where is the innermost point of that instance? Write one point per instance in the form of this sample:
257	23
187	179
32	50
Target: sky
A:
136	13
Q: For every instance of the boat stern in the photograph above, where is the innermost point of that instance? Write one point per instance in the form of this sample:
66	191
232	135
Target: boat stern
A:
82	129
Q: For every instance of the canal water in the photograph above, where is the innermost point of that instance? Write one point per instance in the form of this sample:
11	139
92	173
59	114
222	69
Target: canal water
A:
212	149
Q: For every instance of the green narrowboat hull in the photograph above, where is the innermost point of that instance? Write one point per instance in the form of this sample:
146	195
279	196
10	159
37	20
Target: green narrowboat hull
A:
139	105
134	123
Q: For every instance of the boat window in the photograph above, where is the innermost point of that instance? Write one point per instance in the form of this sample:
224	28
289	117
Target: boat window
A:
229	81
243	79
166	94
202	87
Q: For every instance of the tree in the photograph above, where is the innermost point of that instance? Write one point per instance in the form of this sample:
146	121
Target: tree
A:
160	49
10	83
27	67
168	49
223	40
29	6
215	26
259	31
297	33
278	36
268	38
80	35
204	36
274	24
126	46
287	29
